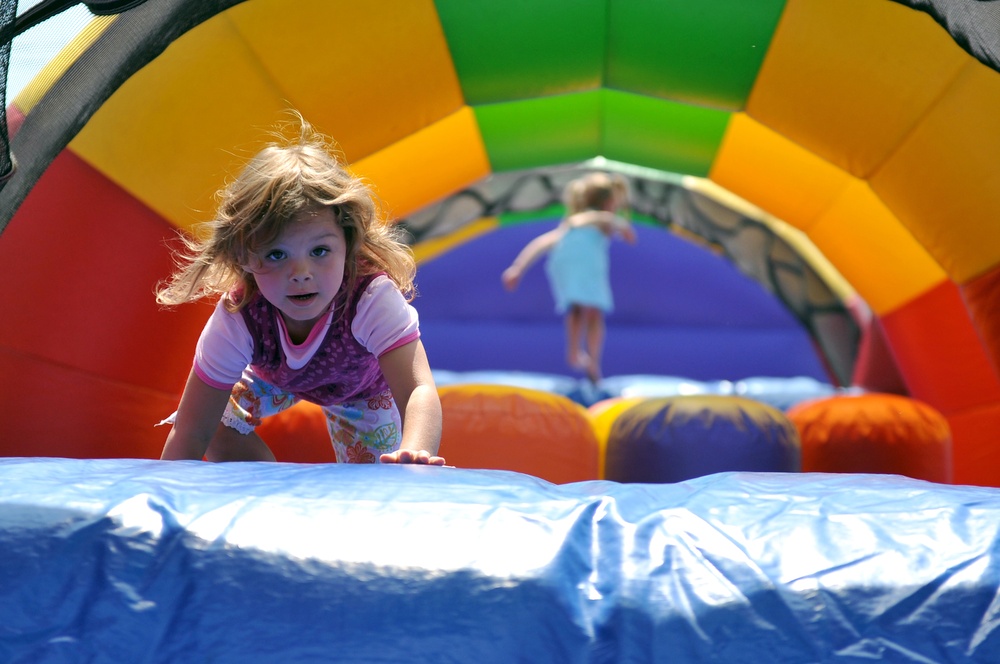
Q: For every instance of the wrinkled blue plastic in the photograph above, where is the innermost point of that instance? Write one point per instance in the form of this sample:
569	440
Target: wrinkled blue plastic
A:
145	561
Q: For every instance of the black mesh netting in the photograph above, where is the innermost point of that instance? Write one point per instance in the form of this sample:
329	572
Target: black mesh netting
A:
8	10
141	32
752	246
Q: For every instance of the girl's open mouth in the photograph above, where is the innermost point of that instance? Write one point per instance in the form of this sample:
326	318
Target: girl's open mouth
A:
302	298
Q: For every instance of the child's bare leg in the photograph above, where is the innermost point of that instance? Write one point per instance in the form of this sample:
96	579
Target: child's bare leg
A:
593	328
574	331
228	444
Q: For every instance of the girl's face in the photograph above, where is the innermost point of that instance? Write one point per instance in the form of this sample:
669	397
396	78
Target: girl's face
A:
303	270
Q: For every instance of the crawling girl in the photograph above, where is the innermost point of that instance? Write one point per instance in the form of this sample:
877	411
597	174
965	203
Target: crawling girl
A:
313	292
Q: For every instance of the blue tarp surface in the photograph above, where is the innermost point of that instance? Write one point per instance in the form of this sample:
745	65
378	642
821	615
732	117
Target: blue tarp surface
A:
145	561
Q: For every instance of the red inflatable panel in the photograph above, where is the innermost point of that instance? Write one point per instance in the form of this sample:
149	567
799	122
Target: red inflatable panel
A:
874	433
78	265
14	120
53	410
978	460
875	369
92	363
982	297
939	353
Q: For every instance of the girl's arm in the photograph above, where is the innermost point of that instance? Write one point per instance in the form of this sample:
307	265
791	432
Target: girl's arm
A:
532	251
197	420
408	374
601	218
608	222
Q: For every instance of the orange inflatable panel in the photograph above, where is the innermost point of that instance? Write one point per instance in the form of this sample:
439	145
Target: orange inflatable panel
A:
874	433
510	428
298	435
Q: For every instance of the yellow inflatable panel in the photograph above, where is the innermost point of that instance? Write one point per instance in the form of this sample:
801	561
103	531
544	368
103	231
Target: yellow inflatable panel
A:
210	95
779	176
190	123
849	79
369	73
428	250
943	183
602	417
428	164
880	258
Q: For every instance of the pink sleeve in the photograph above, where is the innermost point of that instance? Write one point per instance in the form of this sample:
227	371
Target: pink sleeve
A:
384	320
224	349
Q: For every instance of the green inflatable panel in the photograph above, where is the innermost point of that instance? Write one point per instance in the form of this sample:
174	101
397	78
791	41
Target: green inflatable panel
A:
704	53
625	127
540	132
506	50
661	134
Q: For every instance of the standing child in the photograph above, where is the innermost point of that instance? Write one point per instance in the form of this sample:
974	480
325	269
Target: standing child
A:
578	266
314	293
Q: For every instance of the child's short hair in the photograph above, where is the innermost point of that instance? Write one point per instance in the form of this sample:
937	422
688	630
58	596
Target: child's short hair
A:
593	192
283	179
573	196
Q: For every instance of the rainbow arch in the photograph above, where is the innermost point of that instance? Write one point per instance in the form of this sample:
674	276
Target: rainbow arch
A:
861	123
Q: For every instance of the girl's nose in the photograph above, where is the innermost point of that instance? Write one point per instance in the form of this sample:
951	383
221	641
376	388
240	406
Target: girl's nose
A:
300	271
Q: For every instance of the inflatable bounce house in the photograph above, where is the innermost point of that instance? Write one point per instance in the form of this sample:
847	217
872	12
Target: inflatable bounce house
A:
794	455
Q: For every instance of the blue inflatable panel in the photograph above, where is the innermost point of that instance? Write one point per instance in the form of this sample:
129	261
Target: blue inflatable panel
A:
679	310
147	561
781	393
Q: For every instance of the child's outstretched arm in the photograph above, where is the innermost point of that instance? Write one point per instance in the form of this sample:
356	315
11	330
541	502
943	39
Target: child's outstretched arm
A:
408	374
608	222
197	420
527	257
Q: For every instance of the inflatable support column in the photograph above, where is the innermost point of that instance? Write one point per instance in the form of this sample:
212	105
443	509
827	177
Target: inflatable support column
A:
874	433
679	438
502	427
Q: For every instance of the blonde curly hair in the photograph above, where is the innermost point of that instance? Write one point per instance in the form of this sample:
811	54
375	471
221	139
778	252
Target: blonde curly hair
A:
283	179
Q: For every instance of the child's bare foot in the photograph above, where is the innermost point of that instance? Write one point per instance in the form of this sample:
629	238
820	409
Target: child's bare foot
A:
579	360
593	371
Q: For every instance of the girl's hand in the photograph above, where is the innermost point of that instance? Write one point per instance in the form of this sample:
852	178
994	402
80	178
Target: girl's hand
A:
627	232
412	456
511	277
412	383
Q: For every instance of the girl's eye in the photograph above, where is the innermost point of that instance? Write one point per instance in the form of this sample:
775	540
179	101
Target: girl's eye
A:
275	255
320	251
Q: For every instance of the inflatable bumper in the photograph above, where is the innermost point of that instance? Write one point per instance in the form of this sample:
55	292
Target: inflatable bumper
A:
148	561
